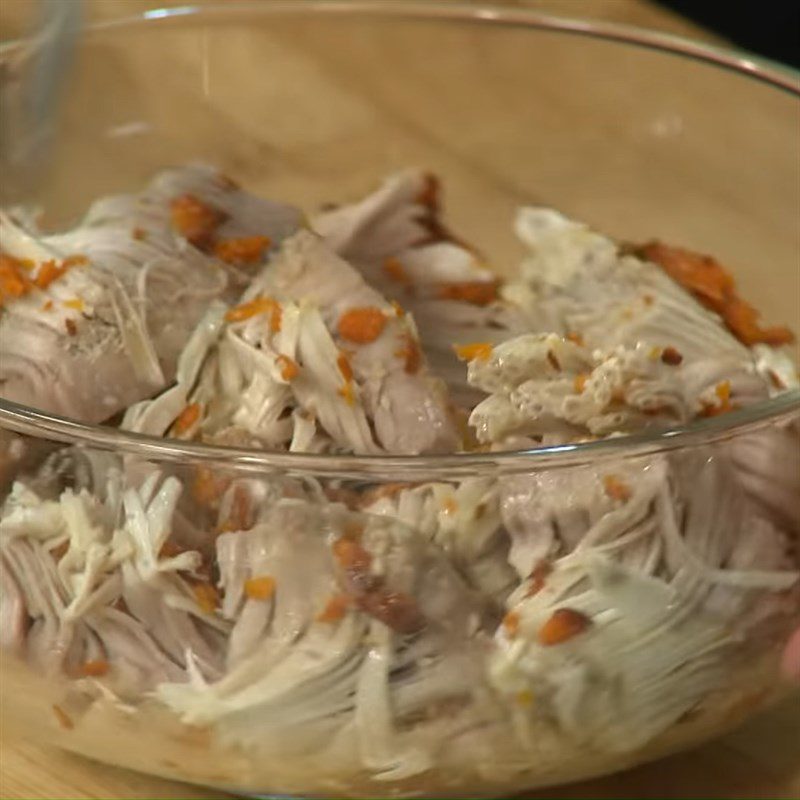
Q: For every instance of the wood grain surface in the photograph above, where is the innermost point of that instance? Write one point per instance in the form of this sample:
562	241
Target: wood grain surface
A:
762	760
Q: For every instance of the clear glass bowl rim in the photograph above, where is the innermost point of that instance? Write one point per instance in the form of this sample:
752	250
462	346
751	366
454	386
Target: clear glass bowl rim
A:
38	424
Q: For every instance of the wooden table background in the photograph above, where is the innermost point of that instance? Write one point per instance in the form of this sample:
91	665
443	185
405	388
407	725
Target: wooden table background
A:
762	760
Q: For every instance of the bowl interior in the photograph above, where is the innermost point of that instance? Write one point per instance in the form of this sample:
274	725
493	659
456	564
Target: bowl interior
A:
310	102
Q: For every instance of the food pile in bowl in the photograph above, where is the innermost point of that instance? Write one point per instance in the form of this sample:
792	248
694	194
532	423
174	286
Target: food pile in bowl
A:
346	627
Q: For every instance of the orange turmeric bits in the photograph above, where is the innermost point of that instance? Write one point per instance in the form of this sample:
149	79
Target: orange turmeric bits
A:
343	363
195	220
616	489
347	393
511	624
538	577
208	487
723	393
671	356
575	338
397	272
399	311
261	588
13	282
288	367
74	261
351	555
48	272
410	353
75	303
187	419
553	361
63	718
243	251
207	597
362	325
563	625
95	668
250	309
480	351
275	317
170	550
715	288
579	382
478	293
239	514
335	609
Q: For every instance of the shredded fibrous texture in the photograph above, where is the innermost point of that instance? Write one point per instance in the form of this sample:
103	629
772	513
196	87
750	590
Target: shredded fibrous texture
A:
386	629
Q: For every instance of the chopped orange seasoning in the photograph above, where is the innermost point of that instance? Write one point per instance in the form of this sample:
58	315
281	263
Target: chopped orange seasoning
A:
396	609
429	194
239	513
13	283
187	419
48	272
208	487
553	361
478	293
776	380
335	609
343	363
396	271
262	588
47	305
362	325
715	288
575	338
538	577
207	597
410	353
350	554
59	551
671	356
723	392
63	718
398	309
76	304
476	351
72	328
95	669
170	550
74	261
195	220
563	625
511	624
276	318
449	506
251	309
347	393
242	251
288	367
579	382
616	489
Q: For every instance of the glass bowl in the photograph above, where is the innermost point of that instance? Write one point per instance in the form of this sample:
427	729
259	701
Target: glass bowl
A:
434	676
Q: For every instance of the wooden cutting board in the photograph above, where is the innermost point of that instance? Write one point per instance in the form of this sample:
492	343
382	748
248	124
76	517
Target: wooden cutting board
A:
762	760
